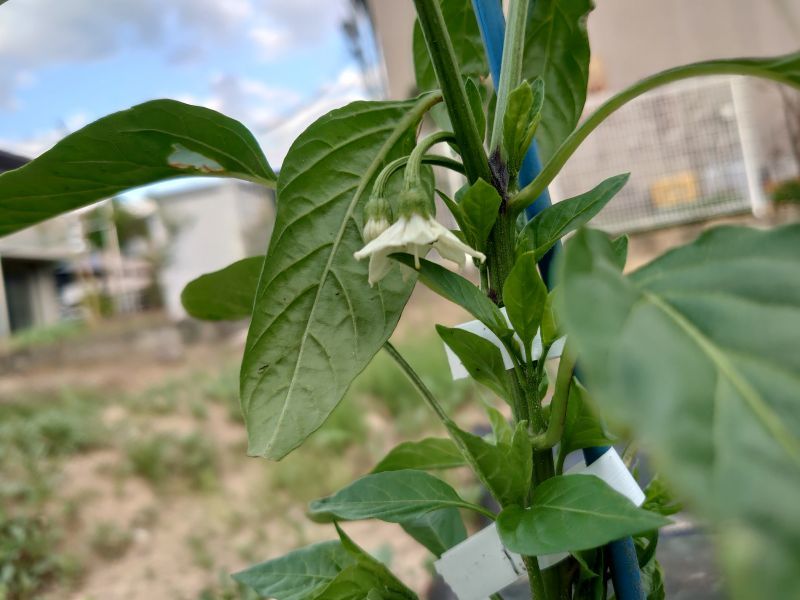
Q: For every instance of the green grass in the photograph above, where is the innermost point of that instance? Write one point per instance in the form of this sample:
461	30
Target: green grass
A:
50	334
164	459
110	541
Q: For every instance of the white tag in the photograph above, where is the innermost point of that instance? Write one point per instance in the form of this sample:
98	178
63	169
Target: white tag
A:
480	565
478	328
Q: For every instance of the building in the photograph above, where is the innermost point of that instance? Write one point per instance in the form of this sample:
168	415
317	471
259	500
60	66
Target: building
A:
696	149
29	263
205	228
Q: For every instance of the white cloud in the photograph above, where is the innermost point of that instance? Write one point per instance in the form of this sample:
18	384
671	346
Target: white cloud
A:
39	33
270	42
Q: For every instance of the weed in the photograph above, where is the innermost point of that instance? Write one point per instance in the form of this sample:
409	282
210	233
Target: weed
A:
27	561
162	458
110	541
198	548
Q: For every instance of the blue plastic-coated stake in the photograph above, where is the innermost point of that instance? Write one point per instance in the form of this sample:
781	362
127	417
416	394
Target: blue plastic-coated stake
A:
623	563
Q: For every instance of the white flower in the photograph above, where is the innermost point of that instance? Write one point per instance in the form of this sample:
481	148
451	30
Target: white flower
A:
414	234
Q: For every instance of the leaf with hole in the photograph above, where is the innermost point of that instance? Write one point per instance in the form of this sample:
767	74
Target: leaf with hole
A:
151	142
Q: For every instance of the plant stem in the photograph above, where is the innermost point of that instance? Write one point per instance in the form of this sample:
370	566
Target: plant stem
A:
535	578
445	65
511	69
753	67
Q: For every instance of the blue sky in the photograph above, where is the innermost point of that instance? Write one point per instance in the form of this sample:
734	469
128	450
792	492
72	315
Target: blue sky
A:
274	64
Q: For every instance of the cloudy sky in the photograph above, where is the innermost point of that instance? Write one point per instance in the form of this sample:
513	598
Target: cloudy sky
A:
274	64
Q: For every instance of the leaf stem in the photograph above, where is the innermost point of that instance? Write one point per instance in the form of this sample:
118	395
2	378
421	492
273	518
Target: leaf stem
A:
417	382
511	68
754	67
535	578
415	159
445	65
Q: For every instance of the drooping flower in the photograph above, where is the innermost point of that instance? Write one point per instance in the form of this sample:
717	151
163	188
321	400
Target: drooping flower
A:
415	233
378	213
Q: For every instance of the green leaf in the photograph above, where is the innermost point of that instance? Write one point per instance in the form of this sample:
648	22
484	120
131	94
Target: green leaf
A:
299	574
476	105
619	246
550	331
500	426
543	231
525	296
582	428
659	498
481	358
394	496
505	469
570	513
697	352
438	530
226	294
367	576
148	143
460	291
521	121
466	38
557	50
426	455
316	322
479	208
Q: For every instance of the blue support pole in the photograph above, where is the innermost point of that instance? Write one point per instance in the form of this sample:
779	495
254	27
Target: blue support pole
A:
623	563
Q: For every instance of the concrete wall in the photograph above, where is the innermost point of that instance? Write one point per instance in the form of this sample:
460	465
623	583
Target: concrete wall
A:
214	225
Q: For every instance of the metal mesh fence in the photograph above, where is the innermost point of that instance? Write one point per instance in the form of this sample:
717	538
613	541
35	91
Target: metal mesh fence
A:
695	150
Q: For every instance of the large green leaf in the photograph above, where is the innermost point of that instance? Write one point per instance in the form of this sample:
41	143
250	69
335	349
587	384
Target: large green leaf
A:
394	496
504	467
226	294
426	455
570	513
543	231
466	37
299	574
557	50
148	143
316	322
697	352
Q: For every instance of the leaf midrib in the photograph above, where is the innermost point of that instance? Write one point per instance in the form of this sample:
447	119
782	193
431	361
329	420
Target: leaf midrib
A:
760	409
393	138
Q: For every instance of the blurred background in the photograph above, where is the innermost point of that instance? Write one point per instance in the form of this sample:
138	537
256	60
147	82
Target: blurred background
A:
123	472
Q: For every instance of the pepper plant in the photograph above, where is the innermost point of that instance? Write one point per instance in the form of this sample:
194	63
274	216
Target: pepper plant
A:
695	355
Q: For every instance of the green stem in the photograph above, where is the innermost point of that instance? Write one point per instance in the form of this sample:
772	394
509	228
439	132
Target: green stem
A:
412	174
417	382
511	68
429	159
754	67
558	406
535	578
445	65
500	258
